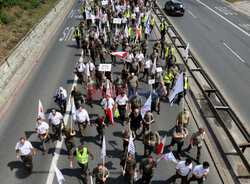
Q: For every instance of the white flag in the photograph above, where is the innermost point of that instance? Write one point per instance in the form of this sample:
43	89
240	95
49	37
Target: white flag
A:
131	146
108	91
126	31
146	107
178	88
113	8
59	175
103	154
169	157
40	111
124	6
139	21
186	52
97	32
91	179
105	35
154	67
116	34
73	110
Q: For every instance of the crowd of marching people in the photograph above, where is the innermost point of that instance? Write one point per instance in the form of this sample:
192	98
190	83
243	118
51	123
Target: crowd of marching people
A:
121	29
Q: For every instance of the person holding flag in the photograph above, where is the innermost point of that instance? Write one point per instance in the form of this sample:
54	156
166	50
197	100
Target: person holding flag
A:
183	168
150	140
68	134
125	137
42	128
146	168
82	155
101	174
128	168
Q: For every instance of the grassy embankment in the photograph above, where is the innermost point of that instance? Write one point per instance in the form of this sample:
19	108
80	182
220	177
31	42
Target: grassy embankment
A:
16	19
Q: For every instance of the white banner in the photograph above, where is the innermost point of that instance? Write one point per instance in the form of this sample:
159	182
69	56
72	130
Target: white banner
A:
152	81
117	21
105	67
104	2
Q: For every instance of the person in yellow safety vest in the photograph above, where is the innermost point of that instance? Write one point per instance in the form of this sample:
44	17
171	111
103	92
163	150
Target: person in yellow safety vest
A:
167	79
163	28
127	15
129	33
140	28
152	23
82	155
84	8
143	19
185	88
77	36
168	56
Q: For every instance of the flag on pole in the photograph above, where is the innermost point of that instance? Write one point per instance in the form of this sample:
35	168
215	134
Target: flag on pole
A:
146	107
124	6
59	175
116	34
105	35
103	154
178	88
91	179
139	21
138	32
108	91
113	8
160	147
154	67
97	32
131	146
119	54
168	157
186	52
40	111
73	110
110	114
126	31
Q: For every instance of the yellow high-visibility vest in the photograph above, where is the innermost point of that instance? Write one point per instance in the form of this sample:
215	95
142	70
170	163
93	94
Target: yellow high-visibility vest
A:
167	77
77	34
172	51
162	26
83	9
152	21
127	14
140	30
144	19
129	31
185	82
82	158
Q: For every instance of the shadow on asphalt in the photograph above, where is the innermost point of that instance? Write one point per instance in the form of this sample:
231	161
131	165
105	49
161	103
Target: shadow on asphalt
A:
29	133
22	171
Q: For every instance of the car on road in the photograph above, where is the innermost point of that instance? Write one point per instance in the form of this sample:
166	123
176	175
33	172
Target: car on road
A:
175	7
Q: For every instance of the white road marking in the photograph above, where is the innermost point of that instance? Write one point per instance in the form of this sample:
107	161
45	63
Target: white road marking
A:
224	18
192	14
233	52
245	26
225	11
55	158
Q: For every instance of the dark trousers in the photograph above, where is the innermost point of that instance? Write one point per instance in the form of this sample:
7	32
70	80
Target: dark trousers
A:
70	143
146	177
146	73
82	127
177	175
57	130
41	136
122	112
113	59
193	178
85	172
180	95
27	159
147	150
101	132
198	151
130	176
179	145
145	127
62	105
78	41
162	34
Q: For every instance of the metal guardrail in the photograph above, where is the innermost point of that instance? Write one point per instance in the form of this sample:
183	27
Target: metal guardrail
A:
206	92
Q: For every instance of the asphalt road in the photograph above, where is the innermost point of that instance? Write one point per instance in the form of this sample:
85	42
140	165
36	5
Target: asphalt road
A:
222	44
54	69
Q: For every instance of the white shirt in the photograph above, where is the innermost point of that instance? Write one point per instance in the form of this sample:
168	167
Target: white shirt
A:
133	15
91	66
184	168
124	20
82	116
24	149
109	104
80	67
62	95
42	128
121	100
130	57
137	9
55	119
140	56
147	63
199	170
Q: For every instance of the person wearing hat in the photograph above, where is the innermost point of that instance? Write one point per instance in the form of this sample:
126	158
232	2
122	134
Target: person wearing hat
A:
178	137
183	117
60	99
82	155
100	173
150	140
100	126
146	168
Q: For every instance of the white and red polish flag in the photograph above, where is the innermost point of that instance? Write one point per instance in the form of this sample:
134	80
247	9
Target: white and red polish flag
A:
160	147
119	54
40	110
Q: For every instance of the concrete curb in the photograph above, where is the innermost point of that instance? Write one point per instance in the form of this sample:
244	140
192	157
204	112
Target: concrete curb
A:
25	54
